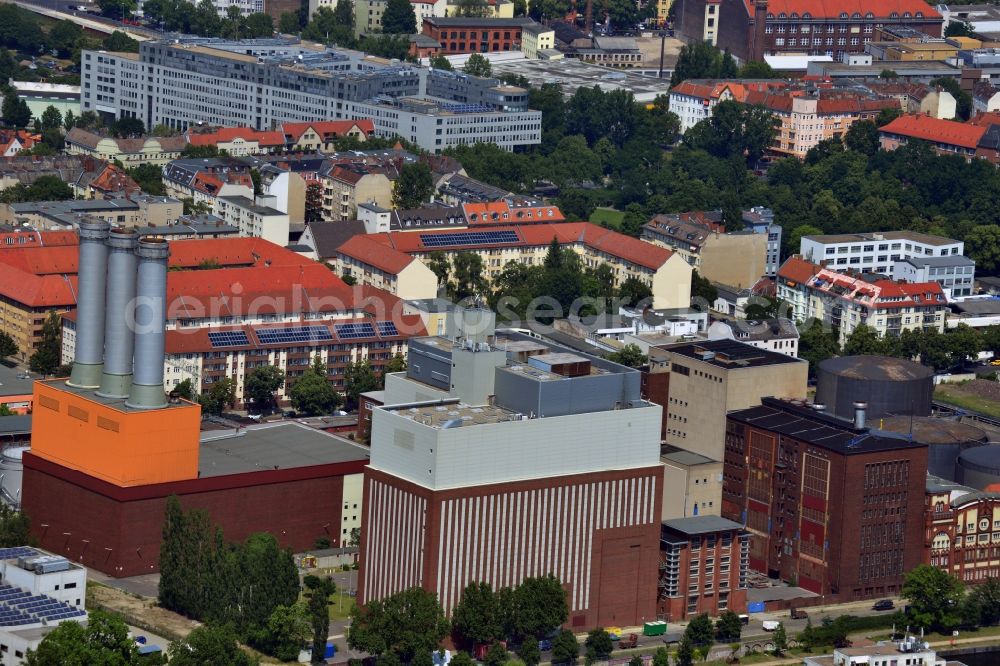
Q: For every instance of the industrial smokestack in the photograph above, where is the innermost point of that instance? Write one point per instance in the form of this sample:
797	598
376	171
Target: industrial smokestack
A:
92	279
860	409
118	339
150	320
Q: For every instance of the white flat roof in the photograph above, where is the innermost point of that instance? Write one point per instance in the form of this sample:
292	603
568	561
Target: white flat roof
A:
794	61
36	86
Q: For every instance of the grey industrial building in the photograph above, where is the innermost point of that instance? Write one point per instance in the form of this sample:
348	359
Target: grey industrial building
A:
261	83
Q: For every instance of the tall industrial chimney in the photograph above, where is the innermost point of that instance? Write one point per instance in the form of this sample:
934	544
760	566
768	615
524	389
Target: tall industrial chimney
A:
150	321
118	339
92	274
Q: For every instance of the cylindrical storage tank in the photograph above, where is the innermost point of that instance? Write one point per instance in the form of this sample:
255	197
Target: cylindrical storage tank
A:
890	386
92	276
11	472
118	338
945	439
979	467
149	318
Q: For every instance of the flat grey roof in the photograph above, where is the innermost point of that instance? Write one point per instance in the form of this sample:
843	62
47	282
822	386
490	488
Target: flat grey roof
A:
953	260
572	74
682	456
18	424
701	524
284	445
13	381
250	204
912	236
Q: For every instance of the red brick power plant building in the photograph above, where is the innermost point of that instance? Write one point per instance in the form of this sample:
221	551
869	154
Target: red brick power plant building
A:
108	446
828	502
497	457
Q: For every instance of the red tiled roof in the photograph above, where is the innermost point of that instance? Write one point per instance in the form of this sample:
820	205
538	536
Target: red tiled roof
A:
986	119
373	253
294	131
37	238
798	269
39	260
226	134
833	8
936	130
538	235
37	291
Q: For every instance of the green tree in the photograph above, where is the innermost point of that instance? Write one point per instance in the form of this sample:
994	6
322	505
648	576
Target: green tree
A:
816	344
982	244
661	657
862	137
986	597
780	639
149	177
258	24
476	618
47	352
288	23
343	14
404	624
630	355
756	69
700	631
935	596
702	291
209	644
395	364
15	528
735	130
598	645
8	347
359	377
220	395
15	111
399	18
117	9
634	291
127	128
312	394
935	350
69	120
728	627
685	652
120	42
469	279
964	343
794	239
439	61
438	262
863	340
464	659
478	65
414	186
529	651
105	640
496	655
622	14
184	390
698	60
329	26
63	36
539	606
260	386
319	591
288	629
957	29
565	649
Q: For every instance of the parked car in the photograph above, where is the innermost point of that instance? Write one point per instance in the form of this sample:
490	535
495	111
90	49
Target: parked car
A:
883	605
771	625
799	614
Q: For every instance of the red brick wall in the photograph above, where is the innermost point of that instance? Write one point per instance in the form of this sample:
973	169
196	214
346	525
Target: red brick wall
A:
656	389
121	537
623	560
469	39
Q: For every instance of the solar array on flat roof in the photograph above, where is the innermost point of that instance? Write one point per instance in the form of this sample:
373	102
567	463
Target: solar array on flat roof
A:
469	238
18	551
386	329
354	331
268	336
466	108
228	338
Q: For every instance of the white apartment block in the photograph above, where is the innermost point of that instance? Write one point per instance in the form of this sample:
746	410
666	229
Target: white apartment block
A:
955	274
253	218
261	83
875	252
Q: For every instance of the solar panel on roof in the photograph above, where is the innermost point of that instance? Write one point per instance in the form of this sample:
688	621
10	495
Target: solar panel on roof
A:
270	336
469	238
17	551
354	331
386	329
228	338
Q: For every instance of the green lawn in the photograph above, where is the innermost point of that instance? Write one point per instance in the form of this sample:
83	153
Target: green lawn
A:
608	217
954	395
